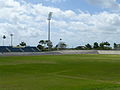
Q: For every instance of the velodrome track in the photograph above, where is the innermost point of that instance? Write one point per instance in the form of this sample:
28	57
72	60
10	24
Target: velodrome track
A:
62	52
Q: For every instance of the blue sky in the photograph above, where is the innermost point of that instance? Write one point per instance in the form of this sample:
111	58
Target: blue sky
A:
77	22
74	5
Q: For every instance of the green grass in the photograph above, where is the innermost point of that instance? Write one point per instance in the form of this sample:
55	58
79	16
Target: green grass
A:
62	72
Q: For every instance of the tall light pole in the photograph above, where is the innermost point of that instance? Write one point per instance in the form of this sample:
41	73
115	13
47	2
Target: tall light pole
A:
49	18
11	39
4	37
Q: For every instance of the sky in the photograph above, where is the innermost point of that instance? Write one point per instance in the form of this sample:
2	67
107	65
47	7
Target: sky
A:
76	22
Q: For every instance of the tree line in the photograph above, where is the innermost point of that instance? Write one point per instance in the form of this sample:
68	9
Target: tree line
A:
44	44
98	46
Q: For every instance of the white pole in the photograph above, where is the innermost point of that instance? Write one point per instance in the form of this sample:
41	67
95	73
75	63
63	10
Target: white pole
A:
11	39
49	18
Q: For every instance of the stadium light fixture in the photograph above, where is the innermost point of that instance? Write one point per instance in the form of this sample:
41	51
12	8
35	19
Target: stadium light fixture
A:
50	15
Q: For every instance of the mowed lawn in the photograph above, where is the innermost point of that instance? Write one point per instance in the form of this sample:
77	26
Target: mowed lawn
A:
60	72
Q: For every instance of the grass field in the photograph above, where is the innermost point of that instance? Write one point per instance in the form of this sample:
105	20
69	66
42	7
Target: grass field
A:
62	72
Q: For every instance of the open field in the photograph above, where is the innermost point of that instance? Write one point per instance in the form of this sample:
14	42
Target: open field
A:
60	72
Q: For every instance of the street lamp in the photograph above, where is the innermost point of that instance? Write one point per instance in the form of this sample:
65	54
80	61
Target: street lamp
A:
49	18
11	39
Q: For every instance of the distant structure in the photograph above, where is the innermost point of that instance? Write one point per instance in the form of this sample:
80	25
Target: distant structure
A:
5	49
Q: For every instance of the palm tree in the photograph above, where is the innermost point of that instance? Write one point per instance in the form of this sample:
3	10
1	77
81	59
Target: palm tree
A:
115	45
42	42
49	44
61	45
4	37
88	46
22	44
96	45
45	43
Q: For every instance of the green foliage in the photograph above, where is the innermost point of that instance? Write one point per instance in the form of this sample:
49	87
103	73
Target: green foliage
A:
88	46
41	42
80	48
96	45
22	44
105	46
44	44
40	47
62	72
115	45
49	44
61	46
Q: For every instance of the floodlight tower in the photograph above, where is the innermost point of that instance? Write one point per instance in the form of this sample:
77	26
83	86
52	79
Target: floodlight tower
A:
49	18
11	39
4	37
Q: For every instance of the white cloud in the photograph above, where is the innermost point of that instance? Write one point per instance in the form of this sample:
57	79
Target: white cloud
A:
28	22
106	3
56	1
9	3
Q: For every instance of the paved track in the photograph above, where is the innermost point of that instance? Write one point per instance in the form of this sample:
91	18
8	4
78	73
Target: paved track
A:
62	52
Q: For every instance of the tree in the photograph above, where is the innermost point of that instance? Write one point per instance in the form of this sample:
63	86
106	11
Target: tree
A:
88	46
105	46
45	44
115	45
40	47
96	45
107	43
80	47
22	44
42	42
102	45
49	44
61	45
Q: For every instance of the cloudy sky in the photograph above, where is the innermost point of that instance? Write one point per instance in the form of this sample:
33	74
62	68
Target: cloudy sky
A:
77	22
